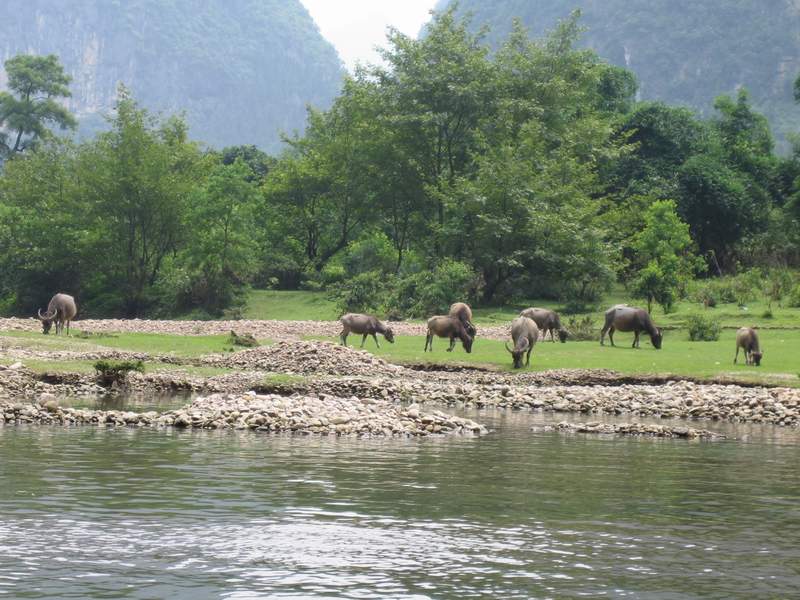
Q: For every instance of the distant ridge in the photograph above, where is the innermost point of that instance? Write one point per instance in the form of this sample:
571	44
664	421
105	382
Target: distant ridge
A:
683	51
242	70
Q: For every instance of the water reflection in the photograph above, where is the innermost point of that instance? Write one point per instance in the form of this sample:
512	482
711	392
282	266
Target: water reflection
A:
154	514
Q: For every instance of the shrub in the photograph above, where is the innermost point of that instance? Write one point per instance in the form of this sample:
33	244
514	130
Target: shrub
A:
115	371
581	329
747	285
432	292
703	328
364	293
794	296
247	340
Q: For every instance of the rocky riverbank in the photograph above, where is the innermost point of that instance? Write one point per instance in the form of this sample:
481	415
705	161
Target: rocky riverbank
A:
322	370
631	429
327	415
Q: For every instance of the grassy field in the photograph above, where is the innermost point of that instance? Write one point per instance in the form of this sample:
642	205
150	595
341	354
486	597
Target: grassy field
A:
679	356
179	345
290	306
301	305
780	339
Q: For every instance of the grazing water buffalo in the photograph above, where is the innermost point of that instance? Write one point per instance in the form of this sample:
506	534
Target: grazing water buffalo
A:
463	313
628	318
61	310
747	340
546	320
448	327
524	334
364	325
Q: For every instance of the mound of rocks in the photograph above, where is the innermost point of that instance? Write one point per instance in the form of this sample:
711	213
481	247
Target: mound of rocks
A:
297	414
307	358
634	429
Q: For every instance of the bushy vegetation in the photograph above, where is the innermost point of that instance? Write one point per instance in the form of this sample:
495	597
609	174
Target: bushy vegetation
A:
110	372
447	173
703	328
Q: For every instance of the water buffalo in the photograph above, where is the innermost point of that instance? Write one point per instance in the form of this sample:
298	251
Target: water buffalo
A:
61	310
524	334
448	327
747	340
364	325
463	313
629	318
546	320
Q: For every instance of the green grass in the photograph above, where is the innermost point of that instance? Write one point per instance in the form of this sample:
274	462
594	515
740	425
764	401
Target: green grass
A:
316	306
180	345
290	306
678	356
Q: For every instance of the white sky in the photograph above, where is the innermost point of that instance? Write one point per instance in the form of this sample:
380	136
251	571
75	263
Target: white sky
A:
355	27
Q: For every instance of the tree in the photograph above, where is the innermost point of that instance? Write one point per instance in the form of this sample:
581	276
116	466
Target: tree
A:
663	249
221	253
436	90
137	179
713	200
36	83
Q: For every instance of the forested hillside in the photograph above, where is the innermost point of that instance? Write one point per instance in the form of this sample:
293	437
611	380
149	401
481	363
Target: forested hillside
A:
242	70
682	51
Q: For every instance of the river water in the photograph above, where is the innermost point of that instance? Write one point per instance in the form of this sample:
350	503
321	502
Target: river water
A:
96	513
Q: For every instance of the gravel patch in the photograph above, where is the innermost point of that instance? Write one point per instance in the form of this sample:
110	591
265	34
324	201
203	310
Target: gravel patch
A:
632	429
305	358
326	415
274	330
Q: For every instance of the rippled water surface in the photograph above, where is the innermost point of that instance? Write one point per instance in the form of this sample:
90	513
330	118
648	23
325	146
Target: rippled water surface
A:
96	513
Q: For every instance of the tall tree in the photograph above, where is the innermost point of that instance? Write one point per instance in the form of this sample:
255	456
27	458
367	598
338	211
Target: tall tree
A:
137	178
437	89
36	85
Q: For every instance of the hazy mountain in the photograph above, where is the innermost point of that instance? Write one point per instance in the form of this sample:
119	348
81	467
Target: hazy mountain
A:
242	70
683	51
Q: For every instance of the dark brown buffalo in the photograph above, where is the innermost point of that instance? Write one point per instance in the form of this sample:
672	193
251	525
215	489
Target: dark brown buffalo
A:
629	318
61	310
463	313
524	334
364	325
547	321
747	340
447	327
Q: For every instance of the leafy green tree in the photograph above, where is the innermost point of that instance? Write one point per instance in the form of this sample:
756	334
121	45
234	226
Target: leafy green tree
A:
31	107
713	200
43	243
663	248
221	252
437	89
137	179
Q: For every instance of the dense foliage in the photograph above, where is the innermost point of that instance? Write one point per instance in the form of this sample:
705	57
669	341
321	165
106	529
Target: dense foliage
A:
243	71
683	52
447	173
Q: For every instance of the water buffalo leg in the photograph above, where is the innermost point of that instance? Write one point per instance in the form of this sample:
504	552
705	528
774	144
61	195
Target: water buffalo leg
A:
736	358
364	339
375	337
528	357
452	344
343	337
428	341
611	335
